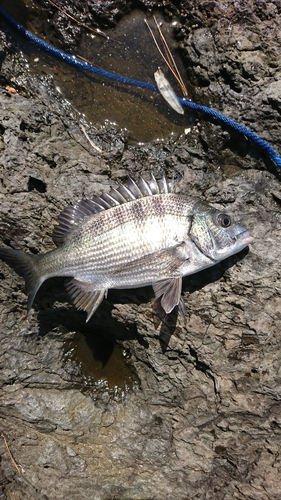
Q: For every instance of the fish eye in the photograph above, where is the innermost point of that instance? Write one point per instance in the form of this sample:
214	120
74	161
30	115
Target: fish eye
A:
224	220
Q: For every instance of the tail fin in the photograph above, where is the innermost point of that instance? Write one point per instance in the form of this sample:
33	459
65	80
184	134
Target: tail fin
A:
24	265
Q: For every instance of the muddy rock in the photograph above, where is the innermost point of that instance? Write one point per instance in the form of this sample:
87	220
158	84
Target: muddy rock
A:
129	406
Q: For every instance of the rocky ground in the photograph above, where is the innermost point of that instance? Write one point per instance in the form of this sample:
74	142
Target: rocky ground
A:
127	407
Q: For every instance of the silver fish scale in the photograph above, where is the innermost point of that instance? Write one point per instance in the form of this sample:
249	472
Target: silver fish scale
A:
100	249
130	242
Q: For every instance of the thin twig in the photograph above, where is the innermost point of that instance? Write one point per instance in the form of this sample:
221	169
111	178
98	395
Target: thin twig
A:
88	138
95	31
87	61
171	58
159	50
164	43
167	57
18	467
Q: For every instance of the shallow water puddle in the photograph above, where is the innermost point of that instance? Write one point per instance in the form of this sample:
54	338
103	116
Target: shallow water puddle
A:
143	113
104	363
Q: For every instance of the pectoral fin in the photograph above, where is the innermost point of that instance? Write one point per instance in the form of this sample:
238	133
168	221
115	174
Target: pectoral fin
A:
166	261
170	291
84	297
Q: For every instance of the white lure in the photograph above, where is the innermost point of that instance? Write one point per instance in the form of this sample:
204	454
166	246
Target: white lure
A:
167	92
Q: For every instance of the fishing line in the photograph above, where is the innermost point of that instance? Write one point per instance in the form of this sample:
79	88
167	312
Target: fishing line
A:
264	146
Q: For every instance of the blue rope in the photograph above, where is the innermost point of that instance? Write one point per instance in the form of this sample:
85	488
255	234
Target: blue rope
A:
72	59
240	128
137	83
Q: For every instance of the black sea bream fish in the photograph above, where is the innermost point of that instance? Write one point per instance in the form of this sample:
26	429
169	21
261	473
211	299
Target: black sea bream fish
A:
139	234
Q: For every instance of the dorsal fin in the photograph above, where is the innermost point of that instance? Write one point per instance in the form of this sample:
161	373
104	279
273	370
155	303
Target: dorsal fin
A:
153	185
163	185
144	187
125	191
73	215
134	188
116	196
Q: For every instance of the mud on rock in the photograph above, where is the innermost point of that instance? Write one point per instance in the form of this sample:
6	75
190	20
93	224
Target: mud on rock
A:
127	406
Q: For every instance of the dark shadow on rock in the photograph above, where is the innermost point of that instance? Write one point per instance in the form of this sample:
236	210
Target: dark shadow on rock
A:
101	345
100	333
191	284
167	328
100	341
2	58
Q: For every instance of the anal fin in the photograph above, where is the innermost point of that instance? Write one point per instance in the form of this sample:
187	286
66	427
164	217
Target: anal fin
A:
170	292
84	297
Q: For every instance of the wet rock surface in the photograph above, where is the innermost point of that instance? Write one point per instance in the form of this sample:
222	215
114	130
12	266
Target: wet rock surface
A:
186	408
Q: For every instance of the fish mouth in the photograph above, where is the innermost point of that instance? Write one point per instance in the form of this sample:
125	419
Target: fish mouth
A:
245	237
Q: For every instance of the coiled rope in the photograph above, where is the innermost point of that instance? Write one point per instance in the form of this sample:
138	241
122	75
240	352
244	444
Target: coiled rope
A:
137	83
